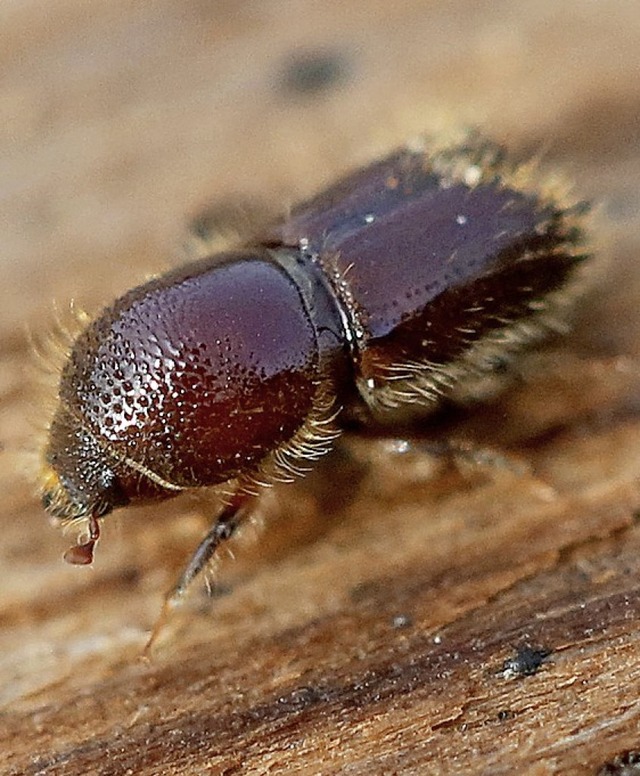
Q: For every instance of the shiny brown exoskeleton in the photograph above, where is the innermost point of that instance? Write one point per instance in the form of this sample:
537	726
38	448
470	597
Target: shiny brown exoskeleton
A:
400	284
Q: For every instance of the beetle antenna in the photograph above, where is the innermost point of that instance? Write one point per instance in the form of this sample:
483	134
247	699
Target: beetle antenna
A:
82	554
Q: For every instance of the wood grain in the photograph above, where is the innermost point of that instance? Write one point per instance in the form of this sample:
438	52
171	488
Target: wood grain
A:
399	614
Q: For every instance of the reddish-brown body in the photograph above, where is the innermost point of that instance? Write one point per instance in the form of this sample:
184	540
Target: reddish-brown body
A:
195	377
404	280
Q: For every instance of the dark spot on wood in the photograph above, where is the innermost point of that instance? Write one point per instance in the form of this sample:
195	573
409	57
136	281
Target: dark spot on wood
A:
309	73
301	698
130	576
216	589
526	662
624	764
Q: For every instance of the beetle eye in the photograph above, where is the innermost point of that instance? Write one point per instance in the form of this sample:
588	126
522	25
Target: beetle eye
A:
110	498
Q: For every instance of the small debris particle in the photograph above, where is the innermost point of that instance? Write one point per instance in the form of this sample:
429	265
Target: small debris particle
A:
526	662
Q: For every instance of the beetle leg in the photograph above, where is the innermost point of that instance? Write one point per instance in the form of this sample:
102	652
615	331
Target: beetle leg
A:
222	529
466	455
469	453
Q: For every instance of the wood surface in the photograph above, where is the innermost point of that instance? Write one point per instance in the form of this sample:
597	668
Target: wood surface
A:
399	613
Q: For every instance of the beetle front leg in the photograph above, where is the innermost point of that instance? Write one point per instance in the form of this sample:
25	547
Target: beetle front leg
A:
222	529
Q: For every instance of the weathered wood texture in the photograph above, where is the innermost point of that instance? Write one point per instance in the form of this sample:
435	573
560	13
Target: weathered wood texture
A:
402	615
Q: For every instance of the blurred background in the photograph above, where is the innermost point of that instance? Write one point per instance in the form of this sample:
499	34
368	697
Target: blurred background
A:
122	120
